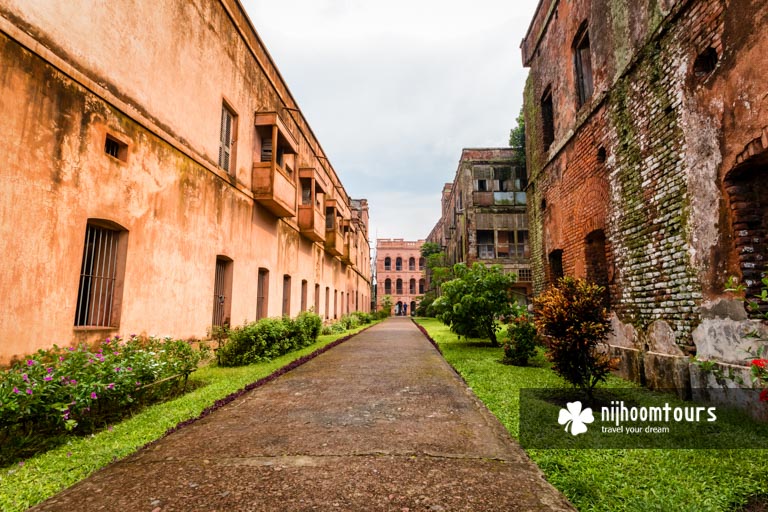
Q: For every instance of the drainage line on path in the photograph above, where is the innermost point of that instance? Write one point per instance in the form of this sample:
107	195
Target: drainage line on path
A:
253	385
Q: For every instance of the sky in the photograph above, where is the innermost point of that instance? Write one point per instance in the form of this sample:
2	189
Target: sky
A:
394	90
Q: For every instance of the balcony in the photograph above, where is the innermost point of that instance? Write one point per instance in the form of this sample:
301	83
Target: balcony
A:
350	250
498	198
334	241
312	222
272	180
312	208
334	237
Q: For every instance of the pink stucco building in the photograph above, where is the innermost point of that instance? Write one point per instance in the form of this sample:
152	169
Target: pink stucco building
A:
399	273
159	177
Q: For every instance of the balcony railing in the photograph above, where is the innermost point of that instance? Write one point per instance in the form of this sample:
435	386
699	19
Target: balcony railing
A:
274	189
273	181
312	222
334	241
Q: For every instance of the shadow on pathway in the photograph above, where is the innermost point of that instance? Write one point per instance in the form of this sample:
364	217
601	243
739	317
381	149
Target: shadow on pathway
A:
380	422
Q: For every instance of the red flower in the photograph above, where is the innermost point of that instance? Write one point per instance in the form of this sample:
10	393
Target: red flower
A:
764	395
760	363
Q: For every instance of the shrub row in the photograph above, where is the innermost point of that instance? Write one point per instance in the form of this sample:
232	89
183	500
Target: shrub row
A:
60	389
268	338
351	321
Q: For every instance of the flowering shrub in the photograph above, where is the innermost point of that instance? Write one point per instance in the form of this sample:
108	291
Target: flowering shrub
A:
58	388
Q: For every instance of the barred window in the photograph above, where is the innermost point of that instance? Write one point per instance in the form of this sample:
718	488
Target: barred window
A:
99	292
222	291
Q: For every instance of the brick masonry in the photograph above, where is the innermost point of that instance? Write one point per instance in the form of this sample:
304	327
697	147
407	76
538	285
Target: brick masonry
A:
665	162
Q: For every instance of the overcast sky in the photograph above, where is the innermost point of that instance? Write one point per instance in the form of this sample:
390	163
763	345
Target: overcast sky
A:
395	89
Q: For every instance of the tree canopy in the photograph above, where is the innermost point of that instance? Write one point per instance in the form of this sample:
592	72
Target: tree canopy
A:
472	302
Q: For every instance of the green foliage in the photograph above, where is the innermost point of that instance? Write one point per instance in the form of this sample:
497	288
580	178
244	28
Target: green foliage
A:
472	302
523	340
429	248
269	338
386	304
609	480
74	457
517	139
574	321
425	305
61	389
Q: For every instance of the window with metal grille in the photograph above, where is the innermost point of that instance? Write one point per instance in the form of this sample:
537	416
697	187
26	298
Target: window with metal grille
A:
412	287
227	138
399	264
412	264
101	276
387	263
115	148
583	64
222	291
327	301
286	295
399	287
388	287
317	299
421	286
524	275
303	294
262	294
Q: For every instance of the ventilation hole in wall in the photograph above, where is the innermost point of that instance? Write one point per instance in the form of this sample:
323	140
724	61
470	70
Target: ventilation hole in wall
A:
669	109
705	63
116	148
601	155
543	204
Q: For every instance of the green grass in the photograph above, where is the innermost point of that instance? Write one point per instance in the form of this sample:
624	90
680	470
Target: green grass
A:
603	479
38	478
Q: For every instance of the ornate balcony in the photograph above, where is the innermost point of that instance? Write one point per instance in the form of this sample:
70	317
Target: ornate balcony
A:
273	180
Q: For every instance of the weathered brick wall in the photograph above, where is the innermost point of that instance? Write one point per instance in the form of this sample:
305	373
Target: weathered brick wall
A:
645	161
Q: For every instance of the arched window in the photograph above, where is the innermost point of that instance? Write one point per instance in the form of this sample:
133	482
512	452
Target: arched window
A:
399	288
387	263
421	263
399	264
412	287
421	286
388	287
412	263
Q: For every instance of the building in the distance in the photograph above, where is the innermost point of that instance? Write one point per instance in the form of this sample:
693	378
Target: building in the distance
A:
159	177
399	274
484	214
647	150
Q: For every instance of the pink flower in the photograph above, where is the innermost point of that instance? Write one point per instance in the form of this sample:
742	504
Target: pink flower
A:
94	395
16	390
25	377
50	370
61	358
31	362
47	378
73	382
111	385
29	391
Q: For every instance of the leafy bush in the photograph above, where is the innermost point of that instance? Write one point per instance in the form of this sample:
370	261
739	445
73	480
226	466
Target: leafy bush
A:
269	338
424	307
573	319
60	389
523	340
473	301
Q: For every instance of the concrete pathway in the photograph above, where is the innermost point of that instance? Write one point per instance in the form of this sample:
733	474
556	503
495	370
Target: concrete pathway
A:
380	422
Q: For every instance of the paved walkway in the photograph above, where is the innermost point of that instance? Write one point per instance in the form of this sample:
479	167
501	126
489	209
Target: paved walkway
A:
380	422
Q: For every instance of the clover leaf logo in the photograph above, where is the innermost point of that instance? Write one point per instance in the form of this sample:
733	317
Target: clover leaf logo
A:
575	418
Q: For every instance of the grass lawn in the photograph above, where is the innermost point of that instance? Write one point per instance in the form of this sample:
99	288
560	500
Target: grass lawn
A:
38	478
603	479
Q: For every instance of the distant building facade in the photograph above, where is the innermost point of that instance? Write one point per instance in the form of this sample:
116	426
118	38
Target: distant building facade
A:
399	273
484	214
647	150
159	178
